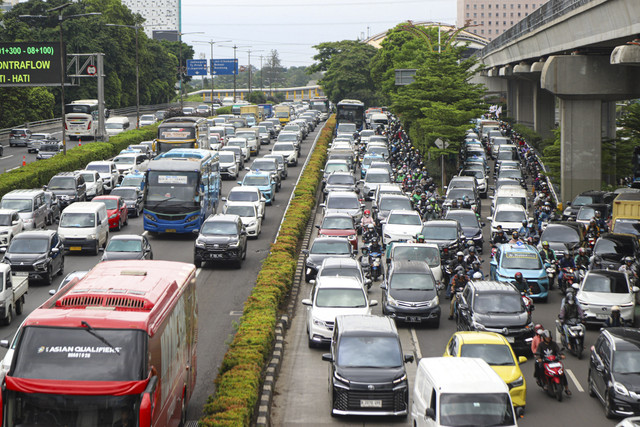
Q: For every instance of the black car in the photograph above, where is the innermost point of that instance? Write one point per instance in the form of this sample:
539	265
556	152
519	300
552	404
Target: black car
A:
132	196
322	248
611	249
221	238
586	198
127	246
68	187
614	369
563	236
496	307
447	234
410	294
36	253
471	226
458	194
367	374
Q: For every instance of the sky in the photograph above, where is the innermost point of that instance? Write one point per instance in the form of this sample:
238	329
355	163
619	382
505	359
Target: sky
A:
293	27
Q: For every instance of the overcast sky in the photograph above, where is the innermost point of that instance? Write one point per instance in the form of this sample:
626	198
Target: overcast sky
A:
293	27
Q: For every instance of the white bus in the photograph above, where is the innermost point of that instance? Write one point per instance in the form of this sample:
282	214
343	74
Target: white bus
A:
81	118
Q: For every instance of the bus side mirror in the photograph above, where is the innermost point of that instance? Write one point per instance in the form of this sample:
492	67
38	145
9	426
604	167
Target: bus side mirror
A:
147	403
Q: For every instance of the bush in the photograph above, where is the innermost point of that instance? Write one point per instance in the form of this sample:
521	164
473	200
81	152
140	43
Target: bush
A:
224	110
240	376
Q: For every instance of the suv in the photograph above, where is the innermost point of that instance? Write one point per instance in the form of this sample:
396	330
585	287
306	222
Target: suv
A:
510	259
613	371
366	350
410	293
221	238
496	307
19	136
38	254
108	172
586	198
69	187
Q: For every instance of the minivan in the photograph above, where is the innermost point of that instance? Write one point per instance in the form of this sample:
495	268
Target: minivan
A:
69	187
512	195
30	204
116	125
459	391
84	226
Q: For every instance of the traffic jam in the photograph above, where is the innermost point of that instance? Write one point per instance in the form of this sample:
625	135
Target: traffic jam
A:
394	252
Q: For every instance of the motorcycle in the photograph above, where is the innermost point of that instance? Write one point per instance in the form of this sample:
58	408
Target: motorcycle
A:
551	376
569	277
371	262
551	268
369	236
528	302
576	330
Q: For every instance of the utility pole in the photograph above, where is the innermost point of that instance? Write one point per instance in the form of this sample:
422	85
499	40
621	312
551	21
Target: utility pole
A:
235	74
211	73
261	73
249	52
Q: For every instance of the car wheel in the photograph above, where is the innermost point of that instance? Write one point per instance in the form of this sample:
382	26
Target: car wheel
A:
119	227
61	267
96	250
608	412
244	252
126	220
197	261
592	390
7	320
49	279
19	305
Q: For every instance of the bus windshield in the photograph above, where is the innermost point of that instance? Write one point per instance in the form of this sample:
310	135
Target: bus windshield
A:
177	187
176	133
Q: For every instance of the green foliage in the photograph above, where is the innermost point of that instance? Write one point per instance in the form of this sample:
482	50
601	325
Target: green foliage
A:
25	104
224	110
241	372
257	97
630	122
347	70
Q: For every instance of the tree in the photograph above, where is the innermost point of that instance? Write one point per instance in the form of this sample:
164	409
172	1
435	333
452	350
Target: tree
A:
273	71
257	97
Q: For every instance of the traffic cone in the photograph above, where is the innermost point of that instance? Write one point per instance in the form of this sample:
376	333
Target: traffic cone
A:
79	142
24	160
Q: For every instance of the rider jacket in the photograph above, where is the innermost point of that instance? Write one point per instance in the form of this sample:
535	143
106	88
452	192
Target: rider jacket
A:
571	311
582	261
547	255
546	349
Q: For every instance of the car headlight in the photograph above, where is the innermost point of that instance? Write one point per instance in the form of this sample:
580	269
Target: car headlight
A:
234	244
351	237
477	326
91	236
319	322
401	379
4	232
40	265
251	224
114	215
627	305
434	302
517	383
392	301
620	389
200	244
2	303
340	378
28	220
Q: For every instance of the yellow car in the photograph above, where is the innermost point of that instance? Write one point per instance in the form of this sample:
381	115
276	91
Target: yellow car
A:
495	350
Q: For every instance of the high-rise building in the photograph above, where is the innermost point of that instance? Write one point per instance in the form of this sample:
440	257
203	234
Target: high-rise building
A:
162	17
490	18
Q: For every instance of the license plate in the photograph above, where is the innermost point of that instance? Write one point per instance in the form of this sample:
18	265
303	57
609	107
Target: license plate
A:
75	248
601	316
413	319
170	230
510	340
370	403
20	273
555	365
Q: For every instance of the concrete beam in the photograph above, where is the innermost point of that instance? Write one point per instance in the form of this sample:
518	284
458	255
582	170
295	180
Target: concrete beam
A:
506	71
589	77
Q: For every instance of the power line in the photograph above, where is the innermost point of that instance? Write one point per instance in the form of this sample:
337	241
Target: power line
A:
305	24
305	4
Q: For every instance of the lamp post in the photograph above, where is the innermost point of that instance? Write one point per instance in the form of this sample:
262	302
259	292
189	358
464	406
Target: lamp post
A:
61	18
211	43
235	47
180	63
136	27
249	52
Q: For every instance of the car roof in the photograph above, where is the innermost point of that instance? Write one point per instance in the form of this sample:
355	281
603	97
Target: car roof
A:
245	188
441	223
509	207
40	234
7	211
22	192
624	338
223	217
337	215
340	263
409	266
127	237
338	282
514	247
356	324
342	194
493	286
481	337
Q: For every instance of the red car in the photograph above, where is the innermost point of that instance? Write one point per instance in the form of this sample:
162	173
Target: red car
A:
116	209
339	225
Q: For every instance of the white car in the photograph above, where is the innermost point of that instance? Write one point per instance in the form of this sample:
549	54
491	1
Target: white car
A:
129	162
288	150
242	144
248	194
330	297
509	216
147	119
248	213
10	225
108	172
401	225
602	289
94	183
372	180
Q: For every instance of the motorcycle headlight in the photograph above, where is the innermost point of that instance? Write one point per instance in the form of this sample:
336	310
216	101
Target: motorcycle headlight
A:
517	383
620	389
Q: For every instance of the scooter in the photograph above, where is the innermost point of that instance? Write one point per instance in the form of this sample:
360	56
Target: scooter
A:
576	331
569	277
375	264
552	270
551	376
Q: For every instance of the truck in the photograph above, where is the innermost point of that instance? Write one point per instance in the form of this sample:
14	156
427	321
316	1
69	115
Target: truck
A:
251	113
283	113
267	110
625	217
15	286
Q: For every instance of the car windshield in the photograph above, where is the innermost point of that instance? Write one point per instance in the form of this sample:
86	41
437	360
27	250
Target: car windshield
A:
340	272
122	245
402	219
478	174
417	253
343	203
62	183
506	155
488	303
222	228
243	211
109	203
582	200
400	203
283	147
470	409
493	354
616	284
586	213
465	218
241	144
29	246
521	261
99	168
257	181
243	196
378	178
265	165
287	137
5	220
412	282
614	246
338	247
347	128
627	226
20	205
337	223
510	216
341	298
510	173
369	352
125	193
559	233
227	157
78	220
114	126
147	118
511	200
439	232
378	150
132	181
50	147
341	179
124	160
336	167
459	193
367	160
626	362
88	177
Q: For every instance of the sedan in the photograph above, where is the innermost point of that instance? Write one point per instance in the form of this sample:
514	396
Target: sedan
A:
602	289
471	227
116	210
401	225
322	248
339	225
127	246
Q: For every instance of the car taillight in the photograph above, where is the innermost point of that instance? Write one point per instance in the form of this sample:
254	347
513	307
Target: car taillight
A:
89	126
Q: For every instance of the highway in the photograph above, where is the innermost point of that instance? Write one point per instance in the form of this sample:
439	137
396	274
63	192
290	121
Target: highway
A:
302	395
222	290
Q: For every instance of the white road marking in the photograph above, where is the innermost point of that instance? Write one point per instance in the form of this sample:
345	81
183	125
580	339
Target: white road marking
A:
198	270
575	380
235	313
9	170
6	157
416	344
558	336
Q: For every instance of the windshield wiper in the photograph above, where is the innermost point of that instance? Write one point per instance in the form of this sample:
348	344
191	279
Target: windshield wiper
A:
100	337
162	201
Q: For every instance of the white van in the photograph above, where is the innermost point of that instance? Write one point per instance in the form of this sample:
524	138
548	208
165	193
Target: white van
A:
30	204
116	125
511	195
460	391
379	119
84	226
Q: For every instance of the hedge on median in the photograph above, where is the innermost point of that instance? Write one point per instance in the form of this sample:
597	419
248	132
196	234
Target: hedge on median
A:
240	375
38	173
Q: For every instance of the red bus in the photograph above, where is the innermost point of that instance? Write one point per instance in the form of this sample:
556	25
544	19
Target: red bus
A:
117	347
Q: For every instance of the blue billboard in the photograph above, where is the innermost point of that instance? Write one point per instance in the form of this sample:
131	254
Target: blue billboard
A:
224	67
196	67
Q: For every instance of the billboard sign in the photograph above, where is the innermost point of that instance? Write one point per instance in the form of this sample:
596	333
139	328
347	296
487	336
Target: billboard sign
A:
30	64
196	67
224	67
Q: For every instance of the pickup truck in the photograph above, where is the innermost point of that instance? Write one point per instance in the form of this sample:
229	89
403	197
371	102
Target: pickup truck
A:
14	288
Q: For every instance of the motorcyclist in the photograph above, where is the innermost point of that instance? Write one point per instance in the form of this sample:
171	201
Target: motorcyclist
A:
515	238
582	260
369	234
499	236
374	246
458	261
522	283
531	232
538	330
565	262
600	222
367	220
415	197
458	282
615	319
430	214
475	270
548	348
629	268
593	230
570	311
419	238
547	254
522	231
466	203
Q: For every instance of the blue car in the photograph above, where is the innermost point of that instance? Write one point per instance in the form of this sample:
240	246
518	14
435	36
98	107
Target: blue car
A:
512	258
366	162
265	183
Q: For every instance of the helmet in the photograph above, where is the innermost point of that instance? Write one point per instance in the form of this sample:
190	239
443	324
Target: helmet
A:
472	249
597	213
545	244
429	208
367	212
629	259
475	265
465	198
615	308
460	253
569	299
567	255
369	226
515	234
581	251
524	222
459	270
518	277
418	190
477	275
538	327
420	237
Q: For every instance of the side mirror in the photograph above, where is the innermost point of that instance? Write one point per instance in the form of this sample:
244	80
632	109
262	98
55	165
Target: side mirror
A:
430	413
323	205
247	169
522	359
243	232
52	291
312	282
326	357
408	358
101	249
15	222
307	302
635	289
318	226
383	286
239	182
305	251
373	303
482	224
55	250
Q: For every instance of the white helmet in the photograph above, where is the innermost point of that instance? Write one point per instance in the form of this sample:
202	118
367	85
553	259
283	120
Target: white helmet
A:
477	275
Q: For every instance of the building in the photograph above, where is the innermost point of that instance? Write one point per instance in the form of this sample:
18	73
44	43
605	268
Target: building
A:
162	17
490	18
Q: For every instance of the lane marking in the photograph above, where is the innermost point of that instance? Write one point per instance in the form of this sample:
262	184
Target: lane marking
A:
198	270
575	380
6	157
12	169
416	344
235	313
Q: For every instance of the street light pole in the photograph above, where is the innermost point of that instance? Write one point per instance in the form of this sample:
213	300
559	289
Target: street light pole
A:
212	43
235	73
136	27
